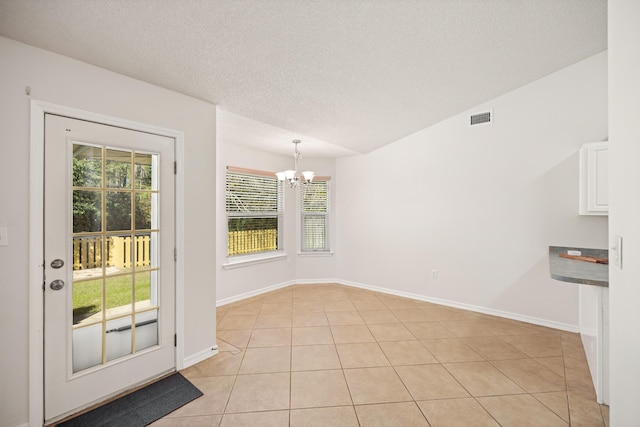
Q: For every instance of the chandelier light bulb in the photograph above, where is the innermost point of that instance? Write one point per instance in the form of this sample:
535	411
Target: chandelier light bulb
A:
291	174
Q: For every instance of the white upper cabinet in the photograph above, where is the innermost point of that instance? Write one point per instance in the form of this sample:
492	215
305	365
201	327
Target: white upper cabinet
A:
594	178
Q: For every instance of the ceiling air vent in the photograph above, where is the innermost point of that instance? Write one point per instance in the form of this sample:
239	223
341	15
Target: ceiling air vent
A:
481	118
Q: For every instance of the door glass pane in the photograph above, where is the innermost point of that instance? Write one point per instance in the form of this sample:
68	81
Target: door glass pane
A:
87	256
144	179
154	244
118	210
143	291
87	347
118	169
119	295
143	201
143	251
87	166
118	337
87	301
120	253
87	211
146	329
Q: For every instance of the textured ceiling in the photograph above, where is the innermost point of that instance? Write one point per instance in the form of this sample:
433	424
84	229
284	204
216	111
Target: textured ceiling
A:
354	74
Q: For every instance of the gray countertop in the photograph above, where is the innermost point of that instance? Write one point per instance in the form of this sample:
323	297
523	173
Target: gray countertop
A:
574	271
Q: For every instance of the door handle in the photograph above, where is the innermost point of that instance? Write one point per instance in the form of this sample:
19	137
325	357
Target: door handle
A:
56	285
57	263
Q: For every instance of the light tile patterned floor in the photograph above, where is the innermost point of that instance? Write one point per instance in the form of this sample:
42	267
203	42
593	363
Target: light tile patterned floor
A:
331	355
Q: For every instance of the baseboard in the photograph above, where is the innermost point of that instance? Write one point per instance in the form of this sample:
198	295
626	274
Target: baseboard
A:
484	310
254	293
200	356
591	332
317	281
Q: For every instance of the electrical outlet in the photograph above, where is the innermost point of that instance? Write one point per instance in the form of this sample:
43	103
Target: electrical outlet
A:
4	238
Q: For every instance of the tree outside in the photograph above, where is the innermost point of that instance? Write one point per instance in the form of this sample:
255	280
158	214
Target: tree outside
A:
87	202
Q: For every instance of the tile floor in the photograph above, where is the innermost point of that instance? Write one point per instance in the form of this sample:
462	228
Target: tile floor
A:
331	355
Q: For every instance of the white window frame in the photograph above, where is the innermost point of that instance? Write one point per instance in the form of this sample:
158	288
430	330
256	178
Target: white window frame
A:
306	213
237	260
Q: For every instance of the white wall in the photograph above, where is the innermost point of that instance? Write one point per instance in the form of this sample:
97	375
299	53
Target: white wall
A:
247	280
63	81
624	289
480	204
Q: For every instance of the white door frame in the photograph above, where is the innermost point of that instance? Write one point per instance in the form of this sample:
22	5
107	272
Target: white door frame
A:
36	239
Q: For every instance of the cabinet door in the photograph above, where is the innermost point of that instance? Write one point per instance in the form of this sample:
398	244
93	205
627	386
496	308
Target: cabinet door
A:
594	179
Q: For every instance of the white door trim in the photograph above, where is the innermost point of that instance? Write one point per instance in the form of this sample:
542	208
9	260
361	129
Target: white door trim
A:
36	239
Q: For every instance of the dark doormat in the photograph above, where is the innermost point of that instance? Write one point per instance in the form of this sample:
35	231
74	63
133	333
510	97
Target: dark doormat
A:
142	407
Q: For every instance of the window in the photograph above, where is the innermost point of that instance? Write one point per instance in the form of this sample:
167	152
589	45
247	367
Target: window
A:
254	212
315	209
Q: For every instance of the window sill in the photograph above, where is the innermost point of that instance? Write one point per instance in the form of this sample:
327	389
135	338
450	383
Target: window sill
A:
317	253
247	260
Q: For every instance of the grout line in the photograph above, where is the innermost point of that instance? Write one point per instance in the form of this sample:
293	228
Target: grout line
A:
566	385
391	301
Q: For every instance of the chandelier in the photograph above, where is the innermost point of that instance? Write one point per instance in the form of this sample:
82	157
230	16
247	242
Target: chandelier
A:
291	175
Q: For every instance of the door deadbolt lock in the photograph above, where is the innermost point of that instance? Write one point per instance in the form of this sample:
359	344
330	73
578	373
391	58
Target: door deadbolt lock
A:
56	285
57	263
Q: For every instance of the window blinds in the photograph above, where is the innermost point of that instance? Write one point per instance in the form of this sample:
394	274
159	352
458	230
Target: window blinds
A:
252	194
315	209
254	208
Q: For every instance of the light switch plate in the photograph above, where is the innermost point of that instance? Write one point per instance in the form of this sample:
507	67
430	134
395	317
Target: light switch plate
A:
616	251
4	239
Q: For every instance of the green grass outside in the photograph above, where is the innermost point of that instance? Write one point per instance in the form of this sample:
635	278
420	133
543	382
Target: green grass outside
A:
87	296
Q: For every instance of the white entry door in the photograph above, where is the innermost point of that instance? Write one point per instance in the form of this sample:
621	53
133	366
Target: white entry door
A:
109	273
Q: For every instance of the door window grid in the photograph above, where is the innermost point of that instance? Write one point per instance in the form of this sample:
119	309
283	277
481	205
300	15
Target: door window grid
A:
115	236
